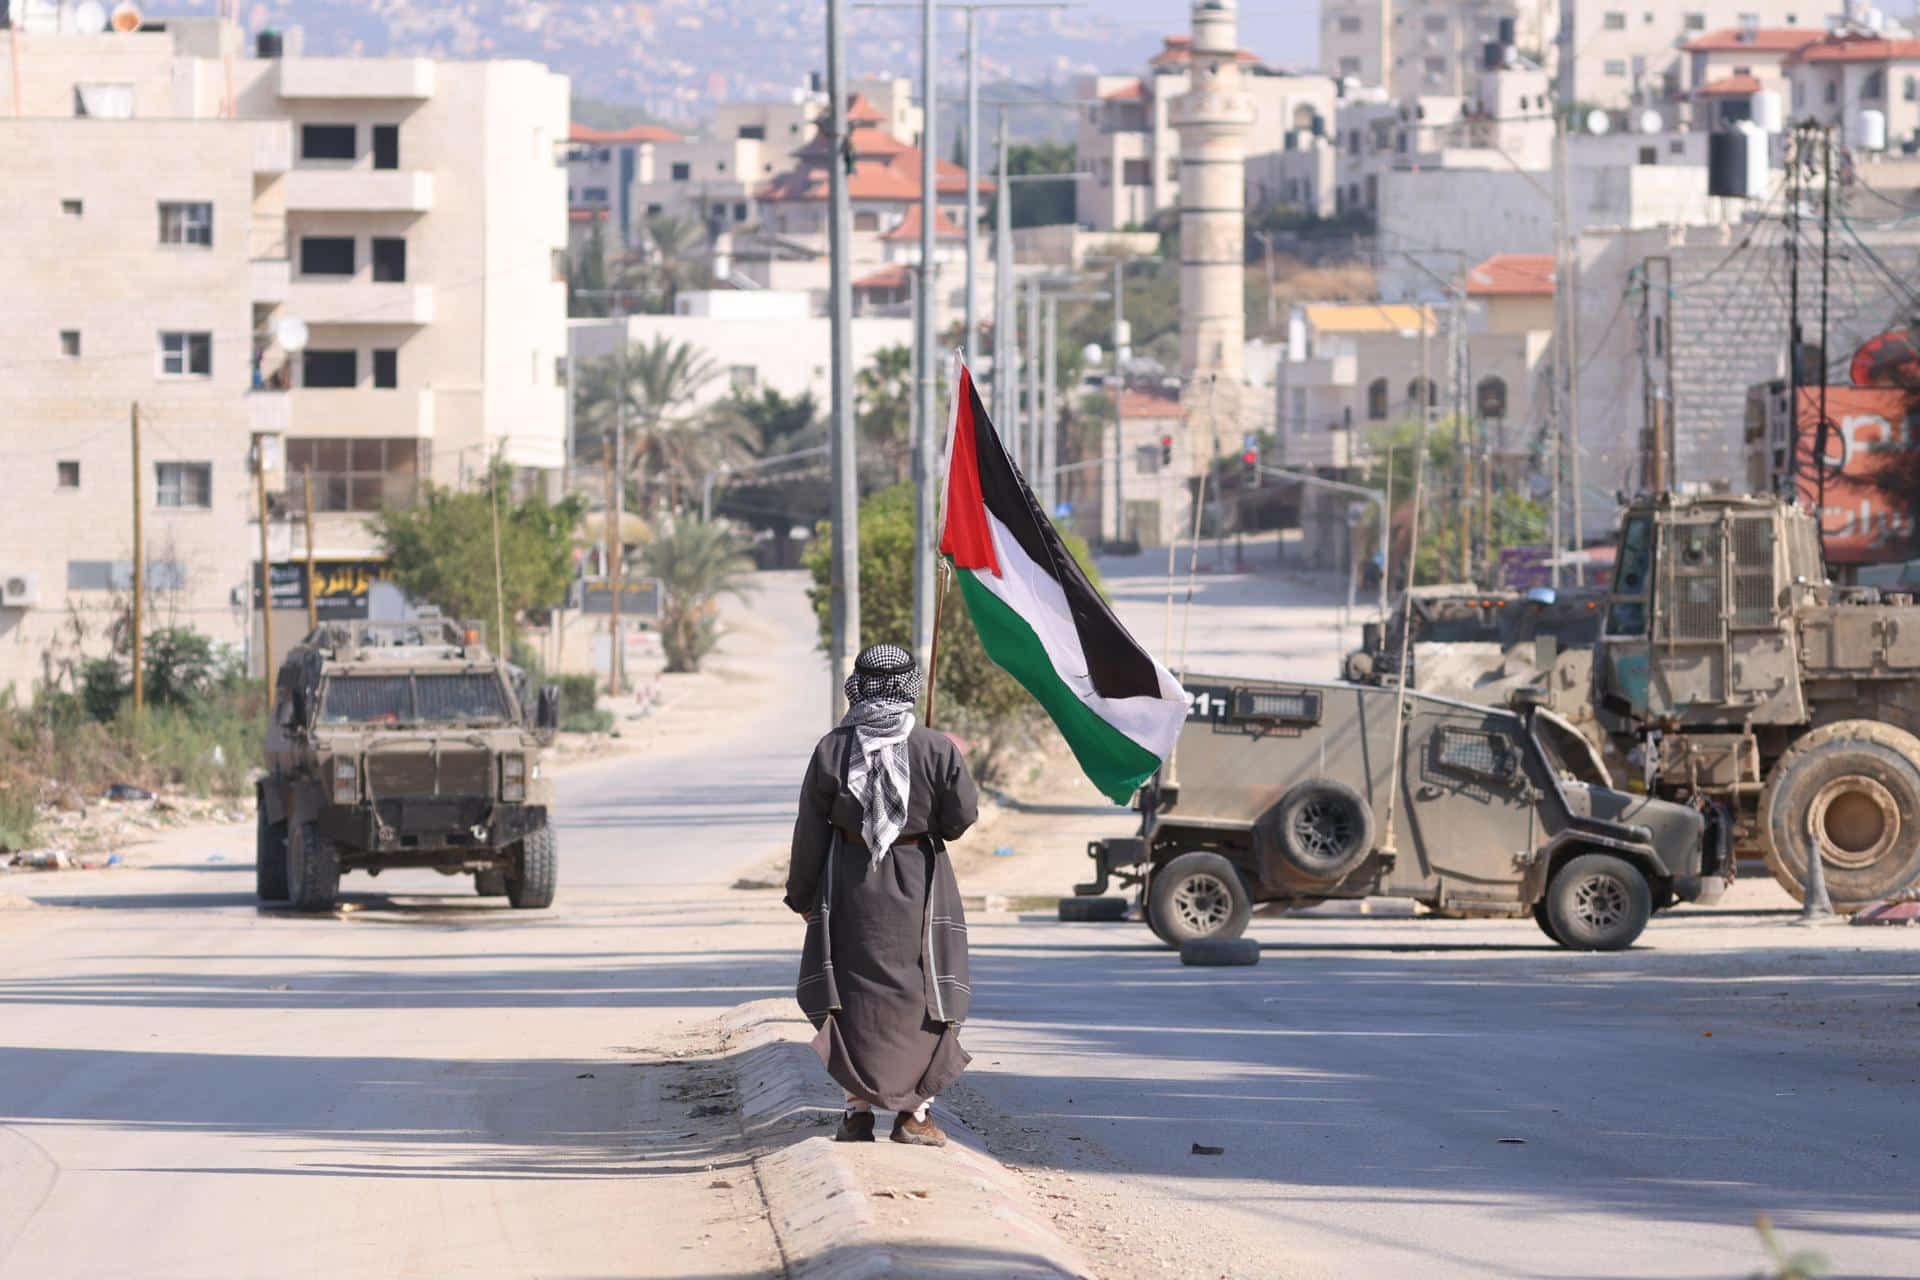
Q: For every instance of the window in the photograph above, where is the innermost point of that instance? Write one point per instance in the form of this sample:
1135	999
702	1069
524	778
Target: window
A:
186	355
1377	395
1615	67
72	208
70	343
103	101
1695	22
740	211
867	221
753	132
743	377
1874	86
1420	387
386	368
326	255
1487	755
1137	173
1613	20
67	473
329	368
1910	90
1833	90
1349	66
356	475
186	222
1349	25
389	259
183	485
682	171
1632	572
328	142
593	195
1649	155
386	146
1491	397
1436	22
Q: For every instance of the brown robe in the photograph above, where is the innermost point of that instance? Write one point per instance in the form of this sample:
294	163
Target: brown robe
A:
883	971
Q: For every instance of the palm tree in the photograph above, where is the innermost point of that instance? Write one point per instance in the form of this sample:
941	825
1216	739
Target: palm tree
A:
669	447
678	257
883	393
697	562
774	424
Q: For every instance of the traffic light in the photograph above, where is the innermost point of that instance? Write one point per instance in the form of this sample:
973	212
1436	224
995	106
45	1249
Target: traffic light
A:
1252	460
1166	451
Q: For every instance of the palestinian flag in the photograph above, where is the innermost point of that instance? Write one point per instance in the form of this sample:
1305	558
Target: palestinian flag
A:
1041	619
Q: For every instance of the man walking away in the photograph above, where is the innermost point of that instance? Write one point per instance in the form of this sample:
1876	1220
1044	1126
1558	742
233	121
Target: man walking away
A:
883	971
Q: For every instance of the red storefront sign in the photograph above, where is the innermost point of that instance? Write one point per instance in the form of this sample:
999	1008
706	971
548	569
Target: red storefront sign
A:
1867	513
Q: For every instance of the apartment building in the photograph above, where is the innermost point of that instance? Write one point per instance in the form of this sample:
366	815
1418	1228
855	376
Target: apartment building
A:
170	210
603	166
1842	77
1628	54
1413	48
1350	370
1128	146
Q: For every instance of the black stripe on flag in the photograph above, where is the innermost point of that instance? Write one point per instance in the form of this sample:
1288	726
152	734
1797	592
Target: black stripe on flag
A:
1118	666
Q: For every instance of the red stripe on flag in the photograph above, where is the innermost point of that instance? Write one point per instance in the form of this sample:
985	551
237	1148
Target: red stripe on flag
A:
967	539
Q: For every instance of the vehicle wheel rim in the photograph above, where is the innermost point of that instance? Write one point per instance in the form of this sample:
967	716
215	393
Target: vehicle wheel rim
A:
1853	822
1322	829
1600	902
1202	903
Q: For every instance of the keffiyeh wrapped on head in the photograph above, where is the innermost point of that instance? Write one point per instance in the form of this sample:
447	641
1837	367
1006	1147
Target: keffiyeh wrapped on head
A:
881	694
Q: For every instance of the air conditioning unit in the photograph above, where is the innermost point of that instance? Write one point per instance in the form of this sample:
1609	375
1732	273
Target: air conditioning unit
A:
19	590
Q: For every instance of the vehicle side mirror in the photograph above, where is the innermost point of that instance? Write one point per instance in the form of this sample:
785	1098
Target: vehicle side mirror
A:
546	708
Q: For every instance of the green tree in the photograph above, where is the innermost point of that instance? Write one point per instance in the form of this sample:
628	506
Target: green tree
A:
587	275
669	446
440	550
697	562
677	256
1042	204
773	424
976	700
883	400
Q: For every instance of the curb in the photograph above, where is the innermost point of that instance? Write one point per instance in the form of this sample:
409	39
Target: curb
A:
820	1195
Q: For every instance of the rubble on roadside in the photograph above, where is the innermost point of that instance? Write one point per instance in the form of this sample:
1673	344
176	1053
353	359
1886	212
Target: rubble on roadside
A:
84	837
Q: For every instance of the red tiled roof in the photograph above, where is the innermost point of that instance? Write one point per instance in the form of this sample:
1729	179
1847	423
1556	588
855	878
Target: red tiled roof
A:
1859	49
1738	86
944	227
1135	405
1764	39
1512	275
638	133
860	110
893	277
885	168
1132	91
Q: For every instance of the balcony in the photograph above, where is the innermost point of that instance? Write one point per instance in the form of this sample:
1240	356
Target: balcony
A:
363	79
359	191
360	302
270	277
268	411
272	146
361	412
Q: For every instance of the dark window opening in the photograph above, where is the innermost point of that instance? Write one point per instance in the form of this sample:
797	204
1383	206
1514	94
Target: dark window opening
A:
67	473
329	368
681	172
328	142
386	368
389	259
355	475
386	146
326	255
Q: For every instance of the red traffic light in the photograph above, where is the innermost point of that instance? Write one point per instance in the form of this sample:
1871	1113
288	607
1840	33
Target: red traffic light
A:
1251	457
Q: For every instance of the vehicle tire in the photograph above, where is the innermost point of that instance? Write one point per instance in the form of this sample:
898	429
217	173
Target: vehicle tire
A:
313	870
269	858
1198	895
530	883
1093	910
1597	902
1214	953
1854	788
1545	921
1322	830
490	884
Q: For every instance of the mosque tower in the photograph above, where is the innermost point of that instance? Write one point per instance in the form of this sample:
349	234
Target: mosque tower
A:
1212	119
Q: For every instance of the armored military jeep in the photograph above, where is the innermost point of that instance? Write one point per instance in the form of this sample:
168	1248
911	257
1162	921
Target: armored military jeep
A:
1278	792
404	745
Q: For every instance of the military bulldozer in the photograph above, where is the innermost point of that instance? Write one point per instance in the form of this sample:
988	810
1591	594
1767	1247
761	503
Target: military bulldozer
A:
404	745
1730	668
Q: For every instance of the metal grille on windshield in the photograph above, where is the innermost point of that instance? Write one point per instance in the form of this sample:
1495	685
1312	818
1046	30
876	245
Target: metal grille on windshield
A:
436	699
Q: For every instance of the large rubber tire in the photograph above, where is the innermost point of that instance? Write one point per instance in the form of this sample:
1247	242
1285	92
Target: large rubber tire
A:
490	884
269	858
1855	787
1545	921
1597	902
535	872
1198	895
313	870
1077	910
1322	830
1215	953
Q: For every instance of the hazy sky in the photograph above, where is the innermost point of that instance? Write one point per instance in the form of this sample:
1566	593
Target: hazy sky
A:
1284	32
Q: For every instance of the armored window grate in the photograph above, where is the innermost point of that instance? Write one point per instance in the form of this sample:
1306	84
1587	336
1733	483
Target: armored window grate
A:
1753	589
1283	706
460	697
1470	751
1691	572
367	700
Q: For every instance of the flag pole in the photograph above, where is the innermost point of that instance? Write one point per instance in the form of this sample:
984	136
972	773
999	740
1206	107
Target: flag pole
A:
933	652
958	372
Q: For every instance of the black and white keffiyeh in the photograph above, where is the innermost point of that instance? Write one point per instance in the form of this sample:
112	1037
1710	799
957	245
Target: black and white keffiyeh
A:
881	694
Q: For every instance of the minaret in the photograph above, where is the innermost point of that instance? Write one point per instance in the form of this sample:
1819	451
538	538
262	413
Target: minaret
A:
1212	118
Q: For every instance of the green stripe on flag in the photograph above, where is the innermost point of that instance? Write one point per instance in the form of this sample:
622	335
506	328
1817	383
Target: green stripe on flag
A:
1115	763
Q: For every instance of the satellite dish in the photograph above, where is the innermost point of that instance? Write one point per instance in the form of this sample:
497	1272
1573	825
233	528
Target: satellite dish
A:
90	18
291	333
1092	353
1598	122
1650	121
126	17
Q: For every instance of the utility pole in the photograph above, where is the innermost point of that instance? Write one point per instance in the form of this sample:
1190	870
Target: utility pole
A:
313	579
1273	311
1816	908
1003	343
1119	397
1426	426
1795	156
501	647
924	498
1656	373
266	568
1049	429
616	500
1562	357
973	184
1030	434
139	564
843	588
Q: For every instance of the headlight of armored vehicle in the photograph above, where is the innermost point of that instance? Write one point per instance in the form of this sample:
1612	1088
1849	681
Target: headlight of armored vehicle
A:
346	782
513	778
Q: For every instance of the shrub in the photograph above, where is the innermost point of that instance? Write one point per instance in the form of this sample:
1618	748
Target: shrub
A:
182	668
697	562
592	721
579	695
104	685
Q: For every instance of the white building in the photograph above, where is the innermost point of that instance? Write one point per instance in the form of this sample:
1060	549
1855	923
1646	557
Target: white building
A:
1351	370
1846	76
409	212
603	168
1628	54
1413	48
